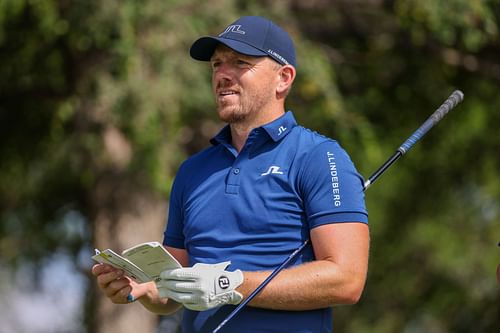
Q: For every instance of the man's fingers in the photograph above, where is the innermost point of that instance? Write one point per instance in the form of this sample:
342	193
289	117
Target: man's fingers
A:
121	295
113	282
117	290
99	269
180	274
176	296
115	286
103	279
180	286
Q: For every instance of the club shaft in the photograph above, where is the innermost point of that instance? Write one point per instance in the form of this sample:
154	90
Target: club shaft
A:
452	101
381	170
261	286
456	97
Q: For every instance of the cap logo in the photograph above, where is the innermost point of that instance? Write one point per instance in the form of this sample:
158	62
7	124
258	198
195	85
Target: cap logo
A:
233	28
254	36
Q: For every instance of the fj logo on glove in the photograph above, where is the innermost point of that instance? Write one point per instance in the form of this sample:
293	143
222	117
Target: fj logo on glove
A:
223	282
201	287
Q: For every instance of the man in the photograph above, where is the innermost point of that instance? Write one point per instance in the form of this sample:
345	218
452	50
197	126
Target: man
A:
240	207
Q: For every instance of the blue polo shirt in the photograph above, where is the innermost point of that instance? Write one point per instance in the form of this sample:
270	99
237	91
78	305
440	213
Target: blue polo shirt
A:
256	207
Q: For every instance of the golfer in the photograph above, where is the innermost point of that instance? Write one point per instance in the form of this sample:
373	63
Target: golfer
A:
241	206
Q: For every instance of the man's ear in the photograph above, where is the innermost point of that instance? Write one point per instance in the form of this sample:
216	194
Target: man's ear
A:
287	74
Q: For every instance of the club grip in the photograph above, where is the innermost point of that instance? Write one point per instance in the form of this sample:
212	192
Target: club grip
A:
456	97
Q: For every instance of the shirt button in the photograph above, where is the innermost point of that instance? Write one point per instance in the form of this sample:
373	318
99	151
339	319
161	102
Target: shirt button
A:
236	171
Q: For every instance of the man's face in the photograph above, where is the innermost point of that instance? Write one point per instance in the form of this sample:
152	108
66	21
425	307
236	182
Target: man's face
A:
243	86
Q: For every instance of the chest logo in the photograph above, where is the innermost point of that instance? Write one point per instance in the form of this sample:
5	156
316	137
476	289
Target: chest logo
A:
273	170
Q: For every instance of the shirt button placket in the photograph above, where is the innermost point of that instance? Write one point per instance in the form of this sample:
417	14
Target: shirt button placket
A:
233	181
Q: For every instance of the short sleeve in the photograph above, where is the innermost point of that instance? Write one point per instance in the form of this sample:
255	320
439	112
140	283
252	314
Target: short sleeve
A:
173	235
331	187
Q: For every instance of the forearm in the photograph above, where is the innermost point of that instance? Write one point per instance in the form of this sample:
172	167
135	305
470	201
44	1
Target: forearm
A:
150	299
314	285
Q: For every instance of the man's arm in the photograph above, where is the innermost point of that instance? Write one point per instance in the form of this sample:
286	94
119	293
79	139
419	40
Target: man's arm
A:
121	289
336	277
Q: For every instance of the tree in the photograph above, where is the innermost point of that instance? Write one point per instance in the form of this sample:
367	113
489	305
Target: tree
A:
433	217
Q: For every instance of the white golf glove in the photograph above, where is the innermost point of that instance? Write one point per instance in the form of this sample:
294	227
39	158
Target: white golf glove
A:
201	287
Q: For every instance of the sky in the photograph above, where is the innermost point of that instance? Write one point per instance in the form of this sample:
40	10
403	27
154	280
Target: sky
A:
54	306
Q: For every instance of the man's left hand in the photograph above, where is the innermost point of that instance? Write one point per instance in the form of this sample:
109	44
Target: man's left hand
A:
201	287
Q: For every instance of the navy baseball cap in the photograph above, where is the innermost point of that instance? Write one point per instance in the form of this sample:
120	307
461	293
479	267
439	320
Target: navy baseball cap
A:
250	35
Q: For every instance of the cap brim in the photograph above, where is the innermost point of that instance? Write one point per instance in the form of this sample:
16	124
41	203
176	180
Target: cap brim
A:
203	48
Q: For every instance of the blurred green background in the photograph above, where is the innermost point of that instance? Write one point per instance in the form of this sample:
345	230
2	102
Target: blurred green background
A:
100	103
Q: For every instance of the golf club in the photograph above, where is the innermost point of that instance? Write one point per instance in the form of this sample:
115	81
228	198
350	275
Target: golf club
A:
452	101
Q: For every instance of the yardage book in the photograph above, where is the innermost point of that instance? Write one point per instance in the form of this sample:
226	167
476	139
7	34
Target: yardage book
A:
142	262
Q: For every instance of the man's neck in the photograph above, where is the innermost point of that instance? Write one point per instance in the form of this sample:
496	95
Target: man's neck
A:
241	130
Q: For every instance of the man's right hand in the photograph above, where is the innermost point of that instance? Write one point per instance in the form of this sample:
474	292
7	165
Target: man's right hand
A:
115	285
121	289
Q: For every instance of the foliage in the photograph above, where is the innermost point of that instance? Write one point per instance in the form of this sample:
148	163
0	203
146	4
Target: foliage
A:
93	90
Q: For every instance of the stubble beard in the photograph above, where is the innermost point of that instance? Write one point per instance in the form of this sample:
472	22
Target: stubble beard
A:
245	111
236	113
231	113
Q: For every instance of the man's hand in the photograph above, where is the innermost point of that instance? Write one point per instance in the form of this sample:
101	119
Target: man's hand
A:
202	286
115	285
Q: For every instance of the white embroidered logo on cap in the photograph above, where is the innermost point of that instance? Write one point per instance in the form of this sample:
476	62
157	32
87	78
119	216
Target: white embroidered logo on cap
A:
277	55
233	28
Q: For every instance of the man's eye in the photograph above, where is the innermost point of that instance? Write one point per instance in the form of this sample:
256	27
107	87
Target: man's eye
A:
243	62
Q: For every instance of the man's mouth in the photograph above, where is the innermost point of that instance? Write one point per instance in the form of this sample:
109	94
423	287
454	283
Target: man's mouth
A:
224	93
